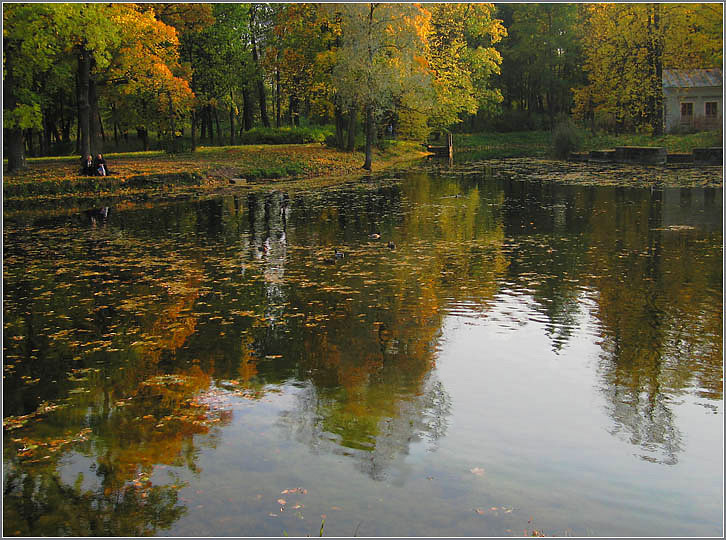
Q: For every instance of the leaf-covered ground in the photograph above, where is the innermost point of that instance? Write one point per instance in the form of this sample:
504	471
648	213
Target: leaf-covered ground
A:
210	167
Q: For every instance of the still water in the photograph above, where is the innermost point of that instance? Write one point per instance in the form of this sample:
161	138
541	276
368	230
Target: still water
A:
507	357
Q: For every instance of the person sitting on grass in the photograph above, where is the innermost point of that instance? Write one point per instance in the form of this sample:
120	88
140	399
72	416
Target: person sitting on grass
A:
99	166
87	167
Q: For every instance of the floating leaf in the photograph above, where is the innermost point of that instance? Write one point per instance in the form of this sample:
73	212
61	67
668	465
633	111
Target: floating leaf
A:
477	471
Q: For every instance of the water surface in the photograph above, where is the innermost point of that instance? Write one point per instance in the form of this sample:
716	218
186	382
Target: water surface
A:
524	355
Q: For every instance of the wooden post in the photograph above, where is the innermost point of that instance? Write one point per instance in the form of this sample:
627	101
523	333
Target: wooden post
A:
450	143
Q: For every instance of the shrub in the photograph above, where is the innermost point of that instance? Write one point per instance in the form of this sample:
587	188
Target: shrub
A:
276	171
330	141
566	138
288	135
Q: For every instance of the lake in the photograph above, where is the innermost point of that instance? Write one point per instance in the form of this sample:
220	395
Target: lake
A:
421	355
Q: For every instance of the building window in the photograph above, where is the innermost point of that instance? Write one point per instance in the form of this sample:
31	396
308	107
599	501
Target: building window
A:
711	109
686	112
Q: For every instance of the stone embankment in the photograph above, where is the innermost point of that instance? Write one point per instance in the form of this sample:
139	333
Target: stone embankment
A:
652	155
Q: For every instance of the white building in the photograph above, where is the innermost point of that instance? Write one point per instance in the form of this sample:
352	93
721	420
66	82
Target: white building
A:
692	99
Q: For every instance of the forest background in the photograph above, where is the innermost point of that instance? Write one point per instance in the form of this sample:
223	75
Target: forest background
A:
80	79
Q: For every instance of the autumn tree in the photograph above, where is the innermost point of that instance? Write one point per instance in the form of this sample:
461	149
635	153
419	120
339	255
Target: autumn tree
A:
382	57
627	46
188	20
462	59
291	54
260	24
146	69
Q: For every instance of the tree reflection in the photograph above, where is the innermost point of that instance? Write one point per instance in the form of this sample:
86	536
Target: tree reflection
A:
369	356
43	505
120	342
658	302
116	403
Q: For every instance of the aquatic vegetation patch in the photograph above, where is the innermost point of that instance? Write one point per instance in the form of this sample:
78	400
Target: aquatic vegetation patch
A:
600	174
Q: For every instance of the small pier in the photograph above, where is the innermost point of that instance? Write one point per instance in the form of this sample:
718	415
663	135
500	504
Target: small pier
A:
444	151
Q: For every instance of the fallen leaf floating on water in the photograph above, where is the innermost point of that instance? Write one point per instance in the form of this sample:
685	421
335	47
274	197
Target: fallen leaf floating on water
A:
477	471
281	501
294	490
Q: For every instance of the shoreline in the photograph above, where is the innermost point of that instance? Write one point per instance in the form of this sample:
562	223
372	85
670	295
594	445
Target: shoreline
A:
55	181
65	194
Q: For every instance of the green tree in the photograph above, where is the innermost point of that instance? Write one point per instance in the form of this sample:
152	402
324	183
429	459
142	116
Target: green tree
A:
542	59
29	53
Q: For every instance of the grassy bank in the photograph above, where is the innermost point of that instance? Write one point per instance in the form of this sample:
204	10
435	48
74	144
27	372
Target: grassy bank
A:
537	144
208	167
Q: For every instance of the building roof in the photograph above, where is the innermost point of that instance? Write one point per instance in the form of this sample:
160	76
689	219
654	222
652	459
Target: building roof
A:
692	78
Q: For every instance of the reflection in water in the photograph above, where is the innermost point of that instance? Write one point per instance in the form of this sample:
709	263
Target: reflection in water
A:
658	300
376	429
129	343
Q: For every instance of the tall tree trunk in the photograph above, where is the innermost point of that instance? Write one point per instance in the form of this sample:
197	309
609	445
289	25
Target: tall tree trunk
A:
208	114
172	123
100	127
369	106
231	124
263	102
97	136
115	126
65	123
29	141
13	135
278	117
203	129
657	90
351	128
84	108
16	149
143	134
216	121
339	142
258	71
247	109
194	131
369	136
46	134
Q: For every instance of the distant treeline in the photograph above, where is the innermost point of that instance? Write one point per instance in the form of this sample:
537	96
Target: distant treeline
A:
82	78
